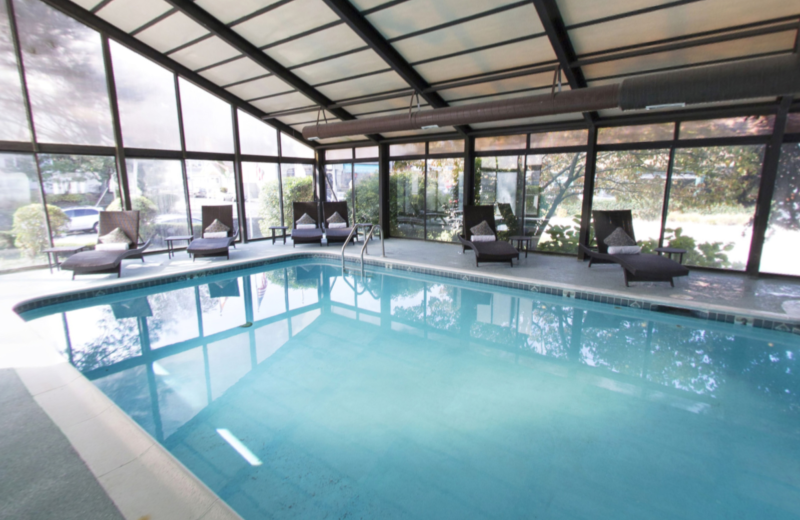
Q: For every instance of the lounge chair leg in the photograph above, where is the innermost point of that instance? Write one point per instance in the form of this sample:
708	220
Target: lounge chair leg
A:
142	259
73	275
672	282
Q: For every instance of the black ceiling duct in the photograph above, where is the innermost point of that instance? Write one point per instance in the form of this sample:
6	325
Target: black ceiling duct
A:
776	76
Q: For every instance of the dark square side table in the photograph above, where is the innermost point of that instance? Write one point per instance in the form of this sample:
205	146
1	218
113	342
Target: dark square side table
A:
177	238
520	239
273	229
53	252
672	251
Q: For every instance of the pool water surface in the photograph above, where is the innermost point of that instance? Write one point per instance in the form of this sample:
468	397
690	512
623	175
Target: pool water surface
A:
295	392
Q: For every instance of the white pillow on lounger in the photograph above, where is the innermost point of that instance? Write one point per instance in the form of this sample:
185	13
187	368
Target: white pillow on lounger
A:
306	226
483	238
215	234
337	225
113	246
624	250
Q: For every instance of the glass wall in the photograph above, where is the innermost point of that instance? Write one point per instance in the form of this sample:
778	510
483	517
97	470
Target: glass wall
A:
207	120
783	231
255	137
298	186
157	191
498	182
23	232
407	199
78	188
366	202
339	182
211	183
634	180
444	203
13	121
262	198
712	204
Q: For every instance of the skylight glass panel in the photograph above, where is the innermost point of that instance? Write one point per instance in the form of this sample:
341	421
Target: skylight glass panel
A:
678	21
496	98
146	96
309	117
13	120
416	15
207	120
256	137
317	45
514	23
281	103
378	83
499	87
204	53
172	32
367	4
227	11
767	43
498	58
580	11
87	4
132	14
260	87
65	75
343	67
287	20
378	106
234	71
291	147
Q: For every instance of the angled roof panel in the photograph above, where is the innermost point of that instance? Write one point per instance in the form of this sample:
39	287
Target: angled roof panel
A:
87	4
363	5
307	118
234	71
259	88
363	86
204	53
498	58
514	23
342	67
171	32
285	21
377	106
530	121
281	103
500	97
227	11
499	87
581	11
132	14
683	20
321	44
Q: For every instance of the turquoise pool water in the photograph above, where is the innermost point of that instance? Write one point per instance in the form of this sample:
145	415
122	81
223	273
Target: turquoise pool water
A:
296	392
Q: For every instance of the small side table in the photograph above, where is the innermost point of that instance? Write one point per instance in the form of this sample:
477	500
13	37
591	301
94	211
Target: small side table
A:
171	246
53	252
520	239
672	251
273	229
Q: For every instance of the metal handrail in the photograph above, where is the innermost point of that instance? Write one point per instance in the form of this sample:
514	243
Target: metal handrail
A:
366	243
350	237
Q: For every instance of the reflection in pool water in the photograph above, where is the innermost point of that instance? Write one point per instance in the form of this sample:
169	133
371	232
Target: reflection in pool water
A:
406	396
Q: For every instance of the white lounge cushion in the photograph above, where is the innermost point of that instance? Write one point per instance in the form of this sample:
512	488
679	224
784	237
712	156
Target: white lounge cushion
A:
624	250
306	226
337	225
215	234
483	238
112	246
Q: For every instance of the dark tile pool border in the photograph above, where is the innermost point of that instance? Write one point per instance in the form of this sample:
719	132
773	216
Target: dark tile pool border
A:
636	303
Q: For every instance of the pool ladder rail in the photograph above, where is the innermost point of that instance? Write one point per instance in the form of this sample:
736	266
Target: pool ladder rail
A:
366	242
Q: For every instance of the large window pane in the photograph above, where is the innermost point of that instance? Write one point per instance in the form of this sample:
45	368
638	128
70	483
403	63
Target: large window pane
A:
554	139
368	152
148	111
396	150
23	233
291	147
298	186
78	188
730	127
636	134
368	209
256	137
66	77
456	146
338	155
498	181
262	198
339	182
505	142
553	198
634	180
783	232
156	187
407	199
444	199
13	121
211	183
712	203
207	122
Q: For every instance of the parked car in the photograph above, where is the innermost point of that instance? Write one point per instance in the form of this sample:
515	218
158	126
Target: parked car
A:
83	219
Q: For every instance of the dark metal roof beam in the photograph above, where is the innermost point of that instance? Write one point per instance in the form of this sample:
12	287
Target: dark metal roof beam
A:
238	42
93	21
389	54
554	27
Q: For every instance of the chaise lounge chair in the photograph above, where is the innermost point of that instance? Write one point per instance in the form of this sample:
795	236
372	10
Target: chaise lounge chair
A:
101	262
495	251
215	246
336	235
637	267
306	236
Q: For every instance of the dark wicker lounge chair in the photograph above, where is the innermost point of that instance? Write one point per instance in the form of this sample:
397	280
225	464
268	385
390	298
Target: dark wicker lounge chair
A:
497	251
215	246
337	235
305	236
100	262
637	268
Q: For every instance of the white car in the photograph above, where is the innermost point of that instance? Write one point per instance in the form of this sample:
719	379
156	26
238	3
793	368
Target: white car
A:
83	219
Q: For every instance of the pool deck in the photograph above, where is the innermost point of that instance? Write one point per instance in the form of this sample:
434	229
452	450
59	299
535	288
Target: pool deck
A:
95	442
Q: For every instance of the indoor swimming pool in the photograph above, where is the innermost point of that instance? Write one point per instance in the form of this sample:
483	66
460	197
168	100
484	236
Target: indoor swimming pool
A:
293	391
